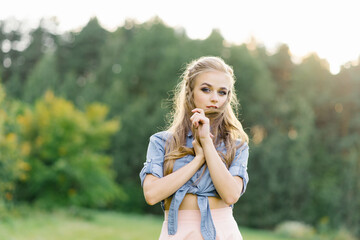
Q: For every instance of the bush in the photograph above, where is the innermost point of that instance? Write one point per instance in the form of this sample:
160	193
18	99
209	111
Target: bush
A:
295	229
12	166
65	150
344	234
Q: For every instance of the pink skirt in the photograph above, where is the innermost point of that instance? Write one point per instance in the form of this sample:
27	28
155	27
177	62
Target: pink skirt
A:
189	225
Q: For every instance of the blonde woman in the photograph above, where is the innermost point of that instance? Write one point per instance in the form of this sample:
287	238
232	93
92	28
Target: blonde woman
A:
197	169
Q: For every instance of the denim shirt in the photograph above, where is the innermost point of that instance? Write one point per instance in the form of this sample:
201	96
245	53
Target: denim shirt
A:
202	187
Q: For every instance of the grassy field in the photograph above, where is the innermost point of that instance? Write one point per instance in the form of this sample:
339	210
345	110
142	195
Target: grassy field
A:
93	225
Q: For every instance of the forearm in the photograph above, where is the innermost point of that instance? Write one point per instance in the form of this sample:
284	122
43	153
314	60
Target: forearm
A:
228	187
157	189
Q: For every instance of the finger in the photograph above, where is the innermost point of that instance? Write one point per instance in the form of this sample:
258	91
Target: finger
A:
199	110
212	136
197	120
195	117
201	119
195	114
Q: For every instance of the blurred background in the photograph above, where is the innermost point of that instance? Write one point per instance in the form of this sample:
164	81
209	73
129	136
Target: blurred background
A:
83	85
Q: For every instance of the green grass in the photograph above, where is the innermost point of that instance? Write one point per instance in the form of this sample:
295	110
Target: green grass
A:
93	225
252	234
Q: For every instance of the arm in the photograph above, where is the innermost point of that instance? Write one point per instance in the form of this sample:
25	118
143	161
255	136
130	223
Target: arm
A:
157	189
229	187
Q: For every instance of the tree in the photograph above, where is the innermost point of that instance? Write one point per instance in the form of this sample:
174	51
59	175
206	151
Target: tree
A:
79	52
66	154
12	165
43	77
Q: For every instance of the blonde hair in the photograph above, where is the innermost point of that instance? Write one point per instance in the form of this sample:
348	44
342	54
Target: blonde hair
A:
224	123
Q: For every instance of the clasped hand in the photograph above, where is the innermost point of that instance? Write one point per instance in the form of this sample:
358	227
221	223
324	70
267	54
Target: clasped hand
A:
202	125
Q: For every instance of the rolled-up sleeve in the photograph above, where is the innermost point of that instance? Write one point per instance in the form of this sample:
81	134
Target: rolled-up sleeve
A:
154	157
239	165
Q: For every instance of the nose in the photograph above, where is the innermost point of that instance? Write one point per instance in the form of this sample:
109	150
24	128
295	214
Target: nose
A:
214	97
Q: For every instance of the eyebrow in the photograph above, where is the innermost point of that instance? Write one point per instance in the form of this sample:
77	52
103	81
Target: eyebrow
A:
209	85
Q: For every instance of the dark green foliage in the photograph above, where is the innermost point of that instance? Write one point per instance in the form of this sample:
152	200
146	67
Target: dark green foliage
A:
12	165
65	151
43	77
304	122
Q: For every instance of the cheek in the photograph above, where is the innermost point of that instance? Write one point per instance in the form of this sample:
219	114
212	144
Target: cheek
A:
199	99
223	100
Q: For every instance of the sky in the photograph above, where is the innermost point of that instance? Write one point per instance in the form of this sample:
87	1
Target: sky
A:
327	27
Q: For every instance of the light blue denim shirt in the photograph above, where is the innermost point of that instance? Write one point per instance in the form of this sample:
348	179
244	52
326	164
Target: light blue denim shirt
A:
203	188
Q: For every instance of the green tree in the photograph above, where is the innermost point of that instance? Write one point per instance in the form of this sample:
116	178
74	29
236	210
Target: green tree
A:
79	52
10	57
137	92
281	67
20	62
43	77
78	60
65	149
12	166
346	115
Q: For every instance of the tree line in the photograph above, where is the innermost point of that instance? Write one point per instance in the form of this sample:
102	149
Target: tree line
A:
303	121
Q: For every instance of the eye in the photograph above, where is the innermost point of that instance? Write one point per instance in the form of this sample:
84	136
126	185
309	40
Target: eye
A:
223	93
205	89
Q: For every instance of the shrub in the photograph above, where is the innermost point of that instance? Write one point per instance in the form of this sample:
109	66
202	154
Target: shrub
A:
295	229
65	149
344	234
12	166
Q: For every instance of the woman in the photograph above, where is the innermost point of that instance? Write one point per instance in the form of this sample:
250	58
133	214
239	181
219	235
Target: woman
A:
197	168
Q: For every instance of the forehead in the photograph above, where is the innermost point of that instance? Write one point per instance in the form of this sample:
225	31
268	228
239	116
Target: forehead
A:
214	78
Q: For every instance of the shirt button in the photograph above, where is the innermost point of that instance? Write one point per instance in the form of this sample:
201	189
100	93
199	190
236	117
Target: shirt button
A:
148	160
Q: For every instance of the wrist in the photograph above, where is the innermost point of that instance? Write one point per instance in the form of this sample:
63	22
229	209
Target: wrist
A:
205	140
200	159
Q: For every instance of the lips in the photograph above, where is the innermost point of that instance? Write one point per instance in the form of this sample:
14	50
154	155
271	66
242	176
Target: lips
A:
212	106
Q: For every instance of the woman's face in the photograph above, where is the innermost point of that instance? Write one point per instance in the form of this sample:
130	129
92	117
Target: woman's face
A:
211	89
